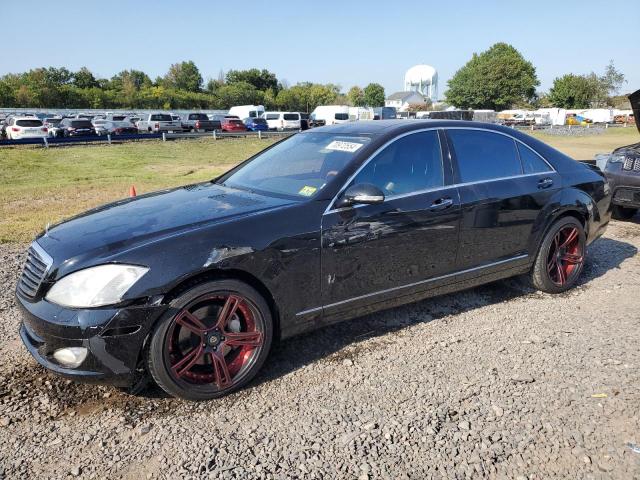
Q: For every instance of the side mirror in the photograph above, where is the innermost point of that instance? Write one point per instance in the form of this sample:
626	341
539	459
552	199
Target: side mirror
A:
361	193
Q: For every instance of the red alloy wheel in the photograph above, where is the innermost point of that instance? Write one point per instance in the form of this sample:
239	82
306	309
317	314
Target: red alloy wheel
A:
214	340
566	255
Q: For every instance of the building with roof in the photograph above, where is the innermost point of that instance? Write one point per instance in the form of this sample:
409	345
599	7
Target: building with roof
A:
401	100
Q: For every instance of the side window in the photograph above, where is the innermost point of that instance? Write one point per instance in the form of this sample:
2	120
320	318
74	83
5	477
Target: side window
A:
484	155
531	161
409	164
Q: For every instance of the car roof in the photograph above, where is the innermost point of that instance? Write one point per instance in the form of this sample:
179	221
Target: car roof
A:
26	118
392	127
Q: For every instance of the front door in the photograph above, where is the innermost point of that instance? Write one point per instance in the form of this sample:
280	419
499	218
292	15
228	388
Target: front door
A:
392	248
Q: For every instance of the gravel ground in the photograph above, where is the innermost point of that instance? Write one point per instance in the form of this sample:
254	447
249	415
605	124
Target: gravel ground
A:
497	382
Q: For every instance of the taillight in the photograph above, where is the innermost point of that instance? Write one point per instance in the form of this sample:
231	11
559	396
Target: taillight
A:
15	129
44	129
198	124
157	126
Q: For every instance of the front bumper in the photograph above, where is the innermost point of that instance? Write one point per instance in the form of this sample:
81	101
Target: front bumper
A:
625	187
114	338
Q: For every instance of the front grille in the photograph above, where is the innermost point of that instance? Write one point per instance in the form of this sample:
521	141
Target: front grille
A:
34	271
631	164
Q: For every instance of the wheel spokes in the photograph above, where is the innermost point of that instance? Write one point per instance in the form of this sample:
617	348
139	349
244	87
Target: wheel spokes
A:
571	237
227	311
572	258
243	339
188	361
560	271
189	321
222	375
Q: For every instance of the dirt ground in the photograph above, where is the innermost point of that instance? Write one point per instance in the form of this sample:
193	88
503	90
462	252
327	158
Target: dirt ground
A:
495	382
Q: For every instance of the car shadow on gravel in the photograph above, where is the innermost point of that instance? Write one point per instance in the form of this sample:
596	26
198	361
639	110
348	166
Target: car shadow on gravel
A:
331	342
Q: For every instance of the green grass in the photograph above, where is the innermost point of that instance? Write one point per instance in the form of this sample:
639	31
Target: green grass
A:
40	185
585	147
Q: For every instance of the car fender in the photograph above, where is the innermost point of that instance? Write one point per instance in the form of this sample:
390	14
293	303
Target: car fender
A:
567	201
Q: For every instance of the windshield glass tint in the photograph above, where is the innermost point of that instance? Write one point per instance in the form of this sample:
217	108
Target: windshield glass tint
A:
29	123
299	166
81	124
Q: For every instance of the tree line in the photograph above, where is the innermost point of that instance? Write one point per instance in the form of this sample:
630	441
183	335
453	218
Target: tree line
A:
498	78
501	78
182	87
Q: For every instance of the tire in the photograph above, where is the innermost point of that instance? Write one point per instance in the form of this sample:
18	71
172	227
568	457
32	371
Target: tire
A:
212	341
560	259
623	213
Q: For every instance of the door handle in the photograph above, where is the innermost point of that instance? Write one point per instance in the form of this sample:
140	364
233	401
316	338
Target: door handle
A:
545	183
441	204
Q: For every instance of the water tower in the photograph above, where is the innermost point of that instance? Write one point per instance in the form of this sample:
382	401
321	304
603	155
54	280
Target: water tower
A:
422	79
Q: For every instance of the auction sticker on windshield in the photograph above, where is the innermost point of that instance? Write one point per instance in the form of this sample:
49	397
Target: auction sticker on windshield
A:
343	146
307	191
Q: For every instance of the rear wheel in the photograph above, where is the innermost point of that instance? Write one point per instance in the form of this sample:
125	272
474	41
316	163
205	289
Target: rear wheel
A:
561	257
213	340
623	213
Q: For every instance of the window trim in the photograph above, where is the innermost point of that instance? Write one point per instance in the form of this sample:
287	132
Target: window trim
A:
451	158
375	154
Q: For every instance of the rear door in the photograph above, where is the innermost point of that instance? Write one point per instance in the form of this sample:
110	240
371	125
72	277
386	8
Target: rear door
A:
501	195
373	252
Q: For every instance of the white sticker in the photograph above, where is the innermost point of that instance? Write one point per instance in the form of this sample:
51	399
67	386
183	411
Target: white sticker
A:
343	146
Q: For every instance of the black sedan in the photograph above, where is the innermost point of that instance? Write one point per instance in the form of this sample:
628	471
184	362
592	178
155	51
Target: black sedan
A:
191	286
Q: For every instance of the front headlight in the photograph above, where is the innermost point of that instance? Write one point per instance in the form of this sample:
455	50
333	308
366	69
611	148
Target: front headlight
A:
95	286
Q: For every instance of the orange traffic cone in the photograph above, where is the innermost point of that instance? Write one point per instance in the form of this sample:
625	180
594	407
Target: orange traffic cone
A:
132	191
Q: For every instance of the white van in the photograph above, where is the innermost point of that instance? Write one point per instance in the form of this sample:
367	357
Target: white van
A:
282	120
330	114
247	111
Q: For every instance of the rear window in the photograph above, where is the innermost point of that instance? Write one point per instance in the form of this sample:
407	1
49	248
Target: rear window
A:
291	116
483	155
118	118
235	121
81	124
341	116
29	123
53	121
198	116
160	117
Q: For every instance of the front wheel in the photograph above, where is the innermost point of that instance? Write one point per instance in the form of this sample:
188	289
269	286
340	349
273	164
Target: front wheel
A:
212	341
623	213
560	258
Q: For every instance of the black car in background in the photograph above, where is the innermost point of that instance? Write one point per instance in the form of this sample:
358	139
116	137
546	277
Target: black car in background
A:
198	122
191	286
623	172
75	127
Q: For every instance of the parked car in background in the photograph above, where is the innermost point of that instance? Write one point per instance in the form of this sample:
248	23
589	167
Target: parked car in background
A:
73	127
384	113
232	124
247	111
53	125
19	128
331	114
256	124
106	127
282	120
623	172
191	285
159	123
304	121
197	122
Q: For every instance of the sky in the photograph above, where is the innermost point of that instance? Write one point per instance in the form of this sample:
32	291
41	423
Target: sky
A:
343	42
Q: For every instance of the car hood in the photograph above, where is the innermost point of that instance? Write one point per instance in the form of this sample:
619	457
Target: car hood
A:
634	99
134	222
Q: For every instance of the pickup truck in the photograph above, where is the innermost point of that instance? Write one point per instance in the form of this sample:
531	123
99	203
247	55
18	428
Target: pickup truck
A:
199	122
158	123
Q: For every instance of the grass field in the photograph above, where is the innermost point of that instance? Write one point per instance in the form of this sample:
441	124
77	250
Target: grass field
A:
40	185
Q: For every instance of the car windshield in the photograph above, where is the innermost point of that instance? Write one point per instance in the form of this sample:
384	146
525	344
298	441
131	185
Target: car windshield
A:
298	167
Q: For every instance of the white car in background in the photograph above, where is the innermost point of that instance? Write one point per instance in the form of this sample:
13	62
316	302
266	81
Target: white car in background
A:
282	120
25	127
52	126
330	114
